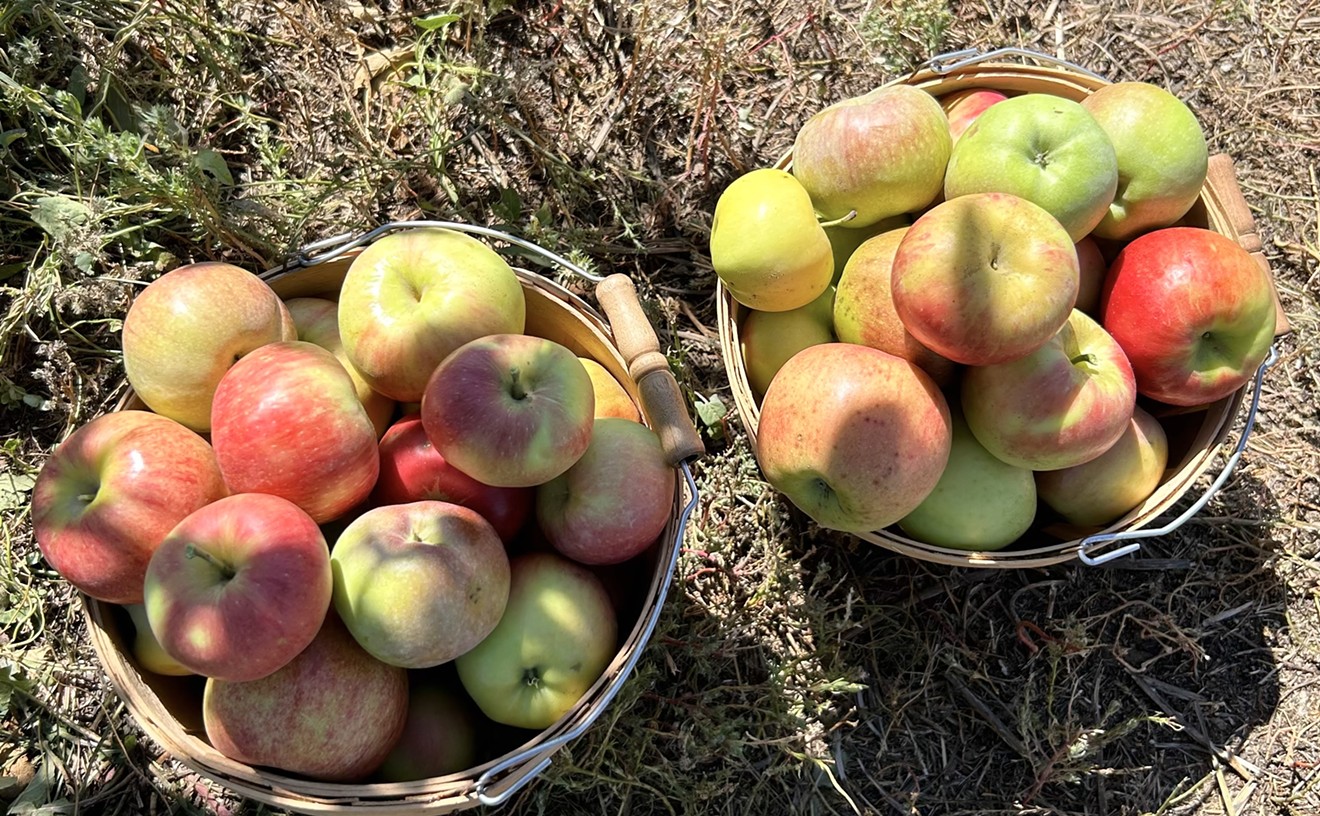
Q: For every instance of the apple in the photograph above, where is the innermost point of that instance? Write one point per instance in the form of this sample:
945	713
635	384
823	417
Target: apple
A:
980	502
963	107
510	410
287	421
1063	404
614	501
239	587
844	241
855	437
187	327
1193	310
557	636
1091	269
317	321
766	245
332	713
414	296
985	278
864	310
612	398
419	584
147	650
439	735
876	155
411	469
111	492
1043	148
768	339
1097	492
1161	152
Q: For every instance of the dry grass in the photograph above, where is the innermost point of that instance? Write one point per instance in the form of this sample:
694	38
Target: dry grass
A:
793	671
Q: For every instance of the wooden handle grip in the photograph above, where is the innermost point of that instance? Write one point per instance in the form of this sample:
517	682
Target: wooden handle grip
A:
1223	187
662	401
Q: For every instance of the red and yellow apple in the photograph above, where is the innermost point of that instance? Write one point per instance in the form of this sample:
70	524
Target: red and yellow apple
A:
962	107
112	491
317	321
439	736
612	398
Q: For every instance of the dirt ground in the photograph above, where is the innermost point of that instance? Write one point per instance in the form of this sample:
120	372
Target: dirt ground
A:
792	670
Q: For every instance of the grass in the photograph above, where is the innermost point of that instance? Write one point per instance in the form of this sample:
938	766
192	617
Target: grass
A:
793	670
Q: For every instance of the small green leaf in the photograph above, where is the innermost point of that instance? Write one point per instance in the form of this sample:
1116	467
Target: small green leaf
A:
60	215
509	207
436	21
84	261
213	164
711	411
8	137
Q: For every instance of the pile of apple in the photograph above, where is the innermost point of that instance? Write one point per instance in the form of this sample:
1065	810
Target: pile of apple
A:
966	314
368	522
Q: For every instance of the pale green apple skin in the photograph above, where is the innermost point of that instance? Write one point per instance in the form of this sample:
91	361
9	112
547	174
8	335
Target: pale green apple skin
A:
864	310
332	713
187	328
769	339
881	154
985	278
147	649
615	501
980	502
844	240
766	245
419	584
557	636
1161	152
1043	148
855	437
1104	489
1064	404
413	297
317	322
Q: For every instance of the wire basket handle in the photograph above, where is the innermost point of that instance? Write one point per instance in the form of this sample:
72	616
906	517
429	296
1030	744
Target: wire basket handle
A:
951	61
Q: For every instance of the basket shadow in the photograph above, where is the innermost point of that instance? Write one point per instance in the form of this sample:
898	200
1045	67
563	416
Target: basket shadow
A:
1069	689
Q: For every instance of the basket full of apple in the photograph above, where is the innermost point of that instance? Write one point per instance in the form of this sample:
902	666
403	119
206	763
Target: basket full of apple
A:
381	528
995	313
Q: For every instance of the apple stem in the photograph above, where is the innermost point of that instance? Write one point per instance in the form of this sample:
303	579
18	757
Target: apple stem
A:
86	498
193	551
1084	359
836	222
516	387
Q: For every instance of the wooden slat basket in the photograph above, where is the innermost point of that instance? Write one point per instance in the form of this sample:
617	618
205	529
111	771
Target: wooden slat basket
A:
168	708
1197	439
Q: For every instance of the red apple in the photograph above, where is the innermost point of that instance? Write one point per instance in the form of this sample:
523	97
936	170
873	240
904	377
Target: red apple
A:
333	713
287	421
440	735
510	410
1103	489
420	584
1063	404
985	278
411	469
112	491
1091	270
864	309
239	587
614	501
187	328
317	321
854	436
1193	310
962	107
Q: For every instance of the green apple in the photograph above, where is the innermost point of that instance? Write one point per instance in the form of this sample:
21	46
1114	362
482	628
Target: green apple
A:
187	328
556	638
855	437
1101	490
399	569
864	311
147	650
769	338
985	278
1043	148
844	241
1161	152
980	502
874	156
766	245
317	321
414	296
